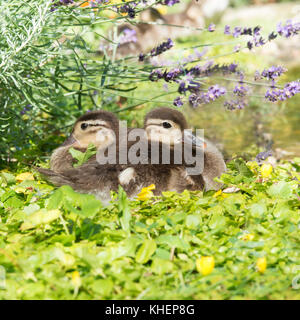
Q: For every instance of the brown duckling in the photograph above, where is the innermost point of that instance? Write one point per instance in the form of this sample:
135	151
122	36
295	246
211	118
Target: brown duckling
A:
161	124
97	127
100	179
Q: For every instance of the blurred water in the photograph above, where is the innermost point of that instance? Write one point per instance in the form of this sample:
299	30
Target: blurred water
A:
236	132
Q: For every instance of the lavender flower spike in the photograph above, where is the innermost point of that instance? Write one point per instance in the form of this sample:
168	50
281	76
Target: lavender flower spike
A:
273	72
211	27
289	29
178	102
159	49
227	30
170	3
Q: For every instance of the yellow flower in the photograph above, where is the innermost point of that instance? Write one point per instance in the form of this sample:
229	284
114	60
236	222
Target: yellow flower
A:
205	265
261	264
20	190
247	237
162	10
220	194
252	165
24	176
146	193
266	169
76	279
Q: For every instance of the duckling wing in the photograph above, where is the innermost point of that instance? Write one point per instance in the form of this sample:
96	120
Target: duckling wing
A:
55	178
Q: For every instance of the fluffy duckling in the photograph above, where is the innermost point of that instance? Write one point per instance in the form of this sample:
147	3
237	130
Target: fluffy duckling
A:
214	166
99	180
162	124
97	127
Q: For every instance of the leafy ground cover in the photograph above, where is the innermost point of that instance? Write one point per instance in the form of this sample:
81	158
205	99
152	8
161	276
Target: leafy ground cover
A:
239	243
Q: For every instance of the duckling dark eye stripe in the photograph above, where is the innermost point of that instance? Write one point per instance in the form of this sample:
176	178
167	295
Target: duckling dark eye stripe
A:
98	125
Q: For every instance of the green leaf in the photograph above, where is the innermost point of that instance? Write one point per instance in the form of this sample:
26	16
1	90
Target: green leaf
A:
103	287
83	157
217	221
145	251
11	200
192	221
257	210
42	216
173	241
56	199
8	177
33	207
282	189
161	266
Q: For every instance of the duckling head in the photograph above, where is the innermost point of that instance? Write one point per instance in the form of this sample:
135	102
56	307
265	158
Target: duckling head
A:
165	125
98	127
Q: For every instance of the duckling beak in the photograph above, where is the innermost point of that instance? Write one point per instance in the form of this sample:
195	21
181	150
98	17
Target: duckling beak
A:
70	140
189	138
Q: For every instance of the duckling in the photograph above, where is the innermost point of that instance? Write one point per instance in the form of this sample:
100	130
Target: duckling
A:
167	126
214	166
100	128
161	123
97	127
100	179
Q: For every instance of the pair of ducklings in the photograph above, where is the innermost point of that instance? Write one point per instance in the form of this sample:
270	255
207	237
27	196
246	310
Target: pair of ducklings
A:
102	129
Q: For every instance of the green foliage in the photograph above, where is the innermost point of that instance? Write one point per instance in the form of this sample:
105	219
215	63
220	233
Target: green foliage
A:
50	72
148	249
82	157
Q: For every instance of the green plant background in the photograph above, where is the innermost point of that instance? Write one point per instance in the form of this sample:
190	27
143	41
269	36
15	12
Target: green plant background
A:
135	249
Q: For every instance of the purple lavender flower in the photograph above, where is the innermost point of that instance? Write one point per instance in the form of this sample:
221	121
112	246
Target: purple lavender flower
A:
237	48
60	3
178	102
273	94
258	42
272	36
182	87
247	31
215	92
256	31
290	89
170	3
273	72
27	108
211	27
237	31
289	29
227	30
162	48
240	90
232	67
129	35
172	74
155	75
257	75
129	9
199	54
249	45
159	49
263	155
141	57
234	104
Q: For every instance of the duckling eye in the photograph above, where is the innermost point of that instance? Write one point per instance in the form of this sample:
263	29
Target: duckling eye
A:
167	125
84	126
